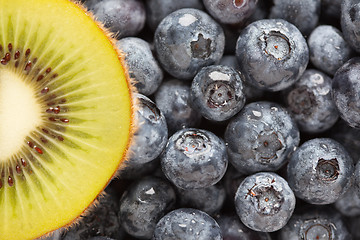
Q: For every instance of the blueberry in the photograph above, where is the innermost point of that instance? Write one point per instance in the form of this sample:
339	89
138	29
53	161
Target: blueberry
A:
133	170
230	11
209	199
187	40
189	224
310	102
261	137
232	229
123	17
173	99
313	223
303	14
350	22
346	93
264	202
151	135
272	54
157	10
100	238
142	65
217	92
144	203
328	49
194	158
319	171
349	203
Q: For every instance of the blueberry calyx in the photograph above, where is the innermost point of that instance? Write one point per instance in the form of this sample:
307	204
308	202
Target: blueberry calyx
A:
302	101
201	47
219	95
267	145
276	44
327	170
156	115
312	229
192	143
266	199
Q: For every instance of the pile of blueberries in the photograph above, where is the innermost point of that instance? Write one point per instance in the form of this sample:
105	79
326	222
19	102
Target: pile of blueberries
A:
249	117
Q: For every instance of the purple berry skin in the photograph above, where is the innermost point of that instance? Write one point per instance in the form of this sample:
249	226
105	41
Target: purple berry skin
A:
320	171
310	102
123	17
187	40
346	91
189	224
350	23
261	137
264	202
230	11
272	54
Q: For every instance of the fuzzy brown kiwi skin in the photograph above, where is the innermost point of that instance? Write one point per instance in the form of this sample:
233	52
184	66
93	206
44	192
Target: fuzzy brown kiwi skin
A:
133	127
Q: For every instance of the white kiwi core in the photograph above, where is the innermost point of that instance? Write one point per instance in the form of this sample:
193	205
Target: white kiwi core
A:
20	112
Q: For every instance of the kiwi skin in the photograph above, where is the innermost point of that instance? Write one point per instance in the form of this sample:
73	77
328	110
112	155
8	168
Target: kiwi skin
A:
132	89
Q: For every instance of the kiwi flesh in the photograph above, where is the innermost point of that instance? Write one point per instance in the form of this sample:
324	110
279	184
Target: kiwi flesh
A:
66	115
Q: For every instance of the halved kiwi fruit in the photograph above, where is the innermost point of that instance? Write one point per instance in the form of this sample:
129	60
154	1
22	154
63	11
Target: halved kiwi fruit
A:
65	115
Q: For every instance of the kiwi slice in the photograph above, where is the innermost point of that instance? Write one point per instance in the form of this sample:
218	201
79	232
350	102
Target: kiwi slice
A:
66	115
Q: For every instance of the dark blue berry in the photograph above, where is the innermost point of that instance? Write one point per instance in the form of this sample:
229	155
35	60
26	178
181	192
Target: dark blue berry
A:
349	203
151	135
264	202
189	224
328	49
320	170
272	54
173	99
142	65
261	137
310	102
346	91
144	203
217	92
194	158
187	40
230	11
350	22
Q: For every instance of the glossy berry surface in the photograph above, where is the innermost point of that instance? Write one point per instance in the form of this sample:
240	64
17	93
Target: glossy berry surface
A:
261	137
187	40
194	158
320	170
272	54
217	92
189	224
264	202
310	102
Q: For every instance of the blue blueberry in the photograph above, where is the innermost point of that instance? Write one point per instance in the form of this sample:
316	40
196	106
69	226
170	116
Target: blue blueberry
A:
328	49
144	203
187	224
187	40
346	91
100	238
142	65
272	54
232	228
151	135
303	14
230	11
349	203
264	202
173	99
217	92
350	23
157	10
209	199
310	102
133	170
315	223
320	170
194	158
122	17
261	137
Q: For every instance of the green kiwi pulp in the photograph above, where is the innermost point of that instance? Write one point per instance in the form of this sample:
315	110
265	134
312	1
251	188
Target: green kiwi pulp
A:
66	115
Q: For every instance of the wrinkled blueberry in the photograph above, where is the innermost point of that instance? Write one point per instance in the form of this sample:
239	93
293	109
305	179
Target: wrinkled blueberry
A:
264	202
144	203
187	40
217	92
194	158
189	224
151	134
261	137
272	54
310	102
328	49
320	170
